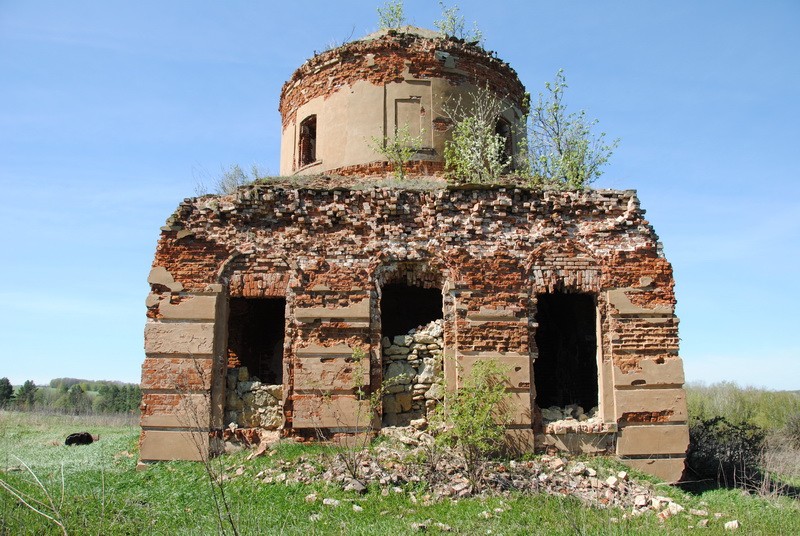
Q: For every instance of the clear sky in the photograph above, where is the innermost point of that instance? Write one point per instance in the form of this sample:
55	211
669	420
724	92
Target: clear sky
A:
111	112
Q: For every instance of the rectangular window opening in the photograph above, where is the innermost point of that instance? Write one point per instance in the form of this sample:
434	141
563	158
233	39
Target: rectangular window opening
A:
255	337
308	141
565	370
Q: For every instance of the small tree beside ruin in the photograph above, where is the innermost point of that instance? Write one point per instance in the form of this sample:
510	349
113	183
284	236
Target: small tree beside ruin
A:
474	417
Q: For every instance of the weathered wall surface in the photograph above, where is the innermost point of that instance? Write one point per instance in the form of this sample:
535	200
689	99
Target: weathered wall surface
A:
364	90
490	250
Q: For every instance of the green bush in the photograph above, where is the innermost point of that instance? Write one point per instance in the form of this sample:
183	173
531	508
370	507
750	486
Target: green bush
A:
792	430
770	410
475	417
728	453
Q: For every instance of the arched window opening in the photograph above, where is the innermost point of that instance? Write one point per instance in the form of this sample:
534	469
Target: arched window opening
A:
503	129
308	141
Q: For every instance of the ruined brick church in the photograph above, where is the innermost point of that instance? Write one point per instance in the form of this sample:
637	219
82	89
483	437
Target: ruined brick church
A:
273	307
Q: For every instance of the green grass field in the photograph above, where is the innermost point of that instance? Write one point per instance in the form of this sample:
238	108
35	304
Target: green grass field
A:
103	493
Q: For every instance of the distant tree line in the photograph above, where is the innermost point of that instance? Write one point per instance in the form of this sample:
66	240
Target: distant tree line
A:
72	396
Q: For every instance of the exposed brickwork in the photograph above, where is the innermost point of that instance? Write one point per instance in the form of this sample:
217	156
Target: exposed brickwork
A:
388	59
645	416
413	168
176	373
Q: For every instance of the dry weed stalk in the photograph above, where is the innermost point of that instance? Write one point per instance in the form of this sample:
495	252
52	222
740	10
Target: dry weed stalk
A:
193	417
47	510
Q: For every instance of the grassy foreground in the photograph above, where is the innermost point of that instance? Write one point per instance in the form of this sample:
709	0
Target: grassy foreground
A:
103	493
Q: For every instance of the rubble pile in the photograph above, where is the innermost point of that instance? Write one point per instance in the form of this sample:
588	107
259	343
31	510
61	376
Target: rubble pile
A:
412	375
571	418
406	458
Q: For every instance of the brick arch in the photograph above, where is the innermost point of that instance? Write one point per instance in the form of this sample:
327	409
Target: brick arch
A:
563	266
248	276
421	268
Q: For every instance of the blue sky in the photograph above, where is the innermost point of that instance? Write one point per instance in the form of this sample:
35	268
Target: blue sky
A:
111	112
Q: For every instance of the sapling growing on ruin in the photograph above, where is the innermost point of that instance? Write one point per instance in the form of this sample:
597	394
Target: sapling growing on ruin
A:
230	179
390	15
452	24
399	150
476	152
562	151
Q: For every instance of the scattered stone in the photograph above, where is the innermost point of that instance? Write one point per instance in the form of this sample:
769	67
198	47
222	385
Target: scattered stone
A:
732	525
421	526
357	508
331	502
578	469
389	466
355	485
675	508
702	523
699	513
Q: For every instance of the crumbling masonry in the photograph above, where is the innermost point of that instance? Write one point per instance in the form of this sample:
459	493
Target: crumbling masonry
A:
283	306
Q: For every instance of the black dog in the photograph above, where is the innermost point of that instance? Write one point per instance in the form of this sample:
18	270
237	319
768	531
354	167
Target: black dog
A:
79	438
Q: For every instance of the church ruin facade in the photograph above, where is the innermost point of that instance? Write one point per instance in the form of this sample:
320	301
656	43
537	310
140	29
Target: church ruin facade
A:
285	305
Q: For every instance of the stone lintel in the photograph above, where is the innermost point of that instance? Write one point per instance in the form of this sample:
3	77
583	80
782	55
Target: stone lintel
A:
175	411
326	373
660	405
319	351
577	442
161	276
618	298
197	307
517	366
501	314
